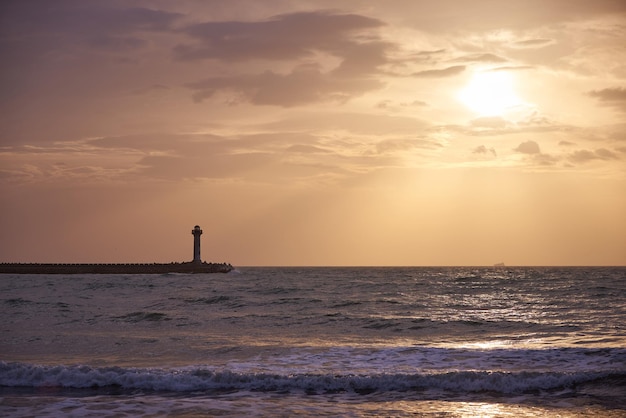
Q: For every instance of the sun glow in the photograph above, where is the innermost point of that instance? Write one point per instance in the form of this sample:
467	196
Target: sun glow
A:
490	93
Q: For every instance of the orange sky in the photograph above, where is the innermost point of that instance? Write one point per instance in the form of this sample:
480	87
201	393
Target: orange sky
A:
314	132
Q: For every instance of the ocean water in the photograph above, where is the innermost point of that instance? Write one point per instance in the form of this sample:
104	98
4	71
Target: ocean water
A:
435	342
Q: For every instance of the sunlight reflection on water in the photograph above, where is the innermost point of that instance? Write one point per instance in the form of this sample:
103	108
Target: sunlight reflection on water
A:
259	405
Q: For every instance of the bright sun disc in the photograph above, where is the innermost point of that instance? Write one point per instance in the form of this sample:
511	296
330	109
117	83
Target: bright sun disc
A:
490	93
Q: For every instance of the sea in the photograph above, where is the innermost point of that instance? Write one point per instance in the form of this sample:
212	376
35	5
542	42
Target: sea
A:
316	341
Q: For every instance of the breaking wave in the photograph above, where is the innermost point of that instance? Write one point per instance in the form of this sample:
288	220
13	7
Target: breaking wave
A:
206	379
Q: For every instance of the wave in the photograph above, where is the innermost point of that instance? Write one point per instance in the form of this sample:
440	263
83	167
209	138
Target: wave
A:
22	375
143	316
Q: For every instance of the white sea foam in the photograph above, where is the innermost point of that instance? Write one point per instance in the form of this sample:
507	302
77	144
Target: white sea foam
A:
361	360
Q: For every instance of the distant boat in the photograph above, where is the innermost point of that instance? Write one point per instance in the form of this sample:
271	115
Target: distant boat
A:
499	265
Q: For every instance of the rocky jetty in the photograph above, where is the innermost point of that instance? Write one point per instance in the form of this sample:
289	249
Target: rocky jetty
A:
137	268
195	266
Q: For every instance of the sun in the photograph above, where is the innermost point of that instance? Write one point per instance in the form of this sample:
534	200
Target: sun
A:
490	93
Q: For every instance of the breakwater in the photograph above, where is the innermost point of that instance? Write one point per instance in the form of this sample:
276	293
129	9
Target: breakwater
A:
131	268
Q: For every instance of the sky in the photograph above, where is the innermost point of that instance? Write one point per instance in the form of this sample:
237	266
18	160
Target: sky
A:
413	133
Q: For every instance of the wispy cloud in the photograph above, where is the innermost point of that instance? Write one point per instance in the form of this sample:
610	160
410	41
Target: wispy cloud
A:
615	97
533	43
584	156
444	72
481	149
481	58
305	84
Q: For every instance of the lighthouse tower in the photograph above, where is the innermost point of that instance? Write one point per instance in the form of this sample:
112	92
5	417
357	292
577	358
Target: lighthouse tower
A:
196	232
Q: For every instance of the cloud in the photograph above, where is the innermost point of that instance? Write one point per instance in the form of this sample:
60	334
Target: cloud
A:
610	94
282	37
481	58
532	125
584	156
164	157
300	37
58	24
307	149
532	150
305	84
255	158
205	165
533	43
481	149
605	154
160	143
389	146
78	50
429	54
439	16
545	159
358	124
446	72
418	103
268	157
512	68
615	97
388	104
528	147
491	122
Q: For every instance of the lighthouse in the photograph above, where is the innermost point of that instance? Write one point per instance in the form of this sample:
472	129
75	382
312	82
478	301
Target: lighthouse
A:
196	232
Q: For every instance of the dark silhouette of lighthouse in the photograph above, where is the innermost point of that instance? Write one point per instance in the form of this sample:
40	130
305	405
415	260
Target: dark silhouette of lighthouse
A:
196	232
